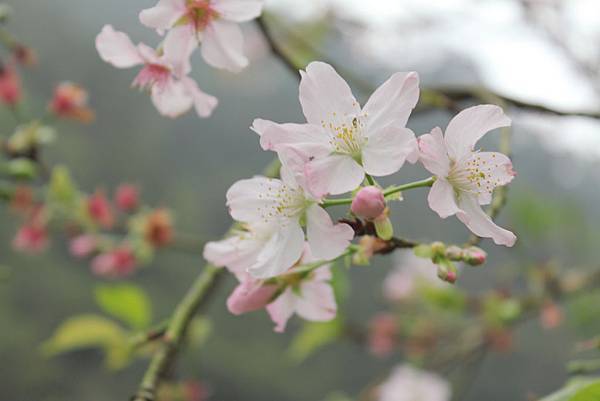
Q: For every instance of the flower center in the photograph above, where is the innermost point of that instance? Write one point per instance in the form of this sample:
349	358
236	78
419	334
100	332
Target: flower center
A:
200	13
474	175
346	138
150	75
284	201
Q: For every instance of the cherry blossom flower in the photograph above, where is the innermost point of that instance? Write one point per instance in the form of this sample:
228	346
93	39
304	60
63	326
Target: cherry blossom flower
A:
71	101
99	210
119	262
311	297
127	197
211	22
341	142
83	245
10	85
410	274
408	384
249	296
465	177
383	330
158	230
31	238
164	73
282	205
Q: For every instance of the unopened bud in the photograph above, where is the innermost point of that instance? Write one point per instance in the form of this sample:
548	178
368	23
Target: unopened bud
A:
127	197
438	249
447	272
454	253
474	256
248	297
368	203
384	227
22	168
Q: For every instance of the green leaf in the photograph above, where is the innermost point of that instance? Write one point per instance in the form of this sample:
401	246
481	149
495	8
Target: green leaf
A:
62	190
90	331
570	389
423	251
590	392
313	336
126	302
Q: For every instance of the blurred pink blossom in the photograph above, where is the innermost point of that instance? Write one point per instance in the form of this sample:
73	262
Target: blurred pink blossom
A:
409	384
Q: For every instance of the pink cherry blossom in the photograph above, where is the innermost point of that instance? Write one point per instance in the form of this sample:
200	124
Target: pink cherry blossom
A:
408	384
99	210
465	177
282	205
127	197
31	238
311	299
83	245
249	296
214	23
119	262
409	274
11	91
71	101
341	142
383	331
164	73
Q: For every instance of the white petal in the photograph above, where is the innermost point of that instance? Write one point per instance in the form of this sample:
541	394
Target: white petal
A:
116	48
441	198
171	100
316	301
334	174
282	309
387	149
325	96
204	104
238	10
468	126
480	223
237	252
280	253
178	46
392	102
433	153
223	46
273	134
326	239
246	198
163	15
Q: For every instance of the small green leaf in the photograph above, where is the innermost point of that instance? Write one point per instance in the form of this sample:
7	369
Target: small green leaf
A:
90	331
314	335
590	392
62	189
570	389
126	302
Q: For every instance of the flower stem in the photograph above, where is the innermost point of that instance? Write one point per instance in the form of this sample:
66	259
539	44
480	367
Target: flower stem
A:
370	179
389	191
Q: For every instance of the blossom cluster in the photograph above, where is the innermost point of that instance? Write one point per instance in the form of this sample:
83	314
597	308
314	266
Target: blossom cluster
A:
340	149
186	25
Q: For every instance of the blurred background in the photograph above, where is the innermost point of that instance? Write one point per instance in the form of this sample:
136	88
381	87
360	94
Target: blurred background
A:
543	52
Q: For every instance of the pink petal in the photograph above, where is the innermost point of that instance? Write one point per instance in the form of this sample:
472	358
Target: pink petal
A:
204	104
433	153
441	198
468	126
280	253
480	223
326	239
238	10
116	48
249	297
223	46
163	15
246	197
325	96
387	149
334	174
178	46
393	101
237	252
282	309
172	99
316	301
273	134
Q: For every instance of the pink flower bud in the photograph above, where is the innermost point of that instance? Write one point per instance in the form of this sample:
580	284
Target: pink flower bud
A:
368	203
82	245
382	334
70	101
250	296
127	197
99	210
119	262
31	238
10	85
474	256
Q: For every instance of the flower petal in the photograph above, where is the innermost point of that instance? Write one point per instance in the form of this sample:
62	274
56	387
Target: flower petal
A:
333	174
468	126
163	15
204	104
387	149
326	239
433	153
480	223
280	253
237	252
246	198
273	134
238	10
281	309
223	46
178	46
171	99
392	102
116	48
316	301
441	198
325	96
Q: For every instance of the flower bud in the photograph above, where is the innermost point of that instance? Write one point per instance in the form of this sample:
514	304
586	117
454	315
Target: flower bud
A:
127	197
368	203
158	230
10	85
474	256
119	262
24	55
22	168
382	334
454	253
447	272
99	210
438	249
250	296
70	101
384	227
82	245
31	238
